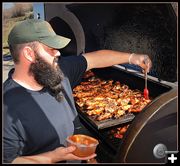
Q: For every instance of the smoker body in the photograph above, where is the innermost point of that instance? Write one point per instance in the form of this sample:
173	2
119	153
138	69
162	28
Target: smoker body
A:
156	124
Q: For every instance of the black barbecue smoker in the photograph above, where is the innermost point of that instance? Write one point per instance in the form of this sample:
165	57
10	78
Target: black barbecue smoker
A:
149	28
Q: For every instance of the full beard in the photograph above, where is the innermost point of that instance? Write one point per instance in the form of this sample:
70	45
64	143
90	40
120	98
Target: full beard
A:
49	76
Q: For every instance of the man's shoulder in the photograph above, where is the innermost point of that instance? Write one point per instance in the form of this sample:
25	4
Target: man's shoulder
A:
10	89
68	62
70	58
7	85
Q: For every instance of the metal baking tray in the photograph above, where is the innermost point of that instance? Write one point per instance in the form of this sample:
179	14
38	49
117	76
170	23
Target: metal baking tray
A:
104	123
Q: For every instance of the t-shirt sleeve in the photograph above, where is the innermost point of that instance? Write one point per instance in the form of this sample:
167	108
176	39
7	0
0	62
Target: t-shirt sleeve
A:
12	141
74	68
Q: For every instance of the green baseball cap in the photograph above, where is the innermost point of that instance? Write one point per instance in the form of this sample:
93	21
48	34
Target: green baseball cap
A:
36	30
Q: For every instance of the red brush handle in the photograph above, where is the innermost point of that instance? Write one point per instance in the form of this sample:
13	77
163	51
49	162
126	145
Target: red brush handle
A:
146	93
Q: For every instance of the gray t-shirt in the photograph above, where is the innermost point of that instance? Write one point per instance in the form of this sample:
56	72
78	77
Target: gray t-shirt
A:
34	122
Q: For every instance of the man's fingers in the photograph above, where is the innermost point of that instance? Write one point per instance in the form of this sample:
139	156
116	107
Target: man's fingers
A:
146	63
144	68
68	155
86	158
70	149
66	150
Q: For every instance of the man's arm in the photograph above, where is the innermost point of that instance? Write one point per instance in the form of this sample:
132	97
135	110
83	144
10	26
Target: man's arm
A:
59	154
105	58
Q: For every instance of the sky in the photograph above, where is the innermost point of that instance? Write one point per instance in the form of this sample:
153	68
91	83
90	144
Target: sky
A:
7	5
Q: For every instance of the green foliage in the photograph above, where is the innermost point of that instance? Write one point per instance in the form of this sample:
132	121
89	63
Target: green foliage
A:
8	24
18	10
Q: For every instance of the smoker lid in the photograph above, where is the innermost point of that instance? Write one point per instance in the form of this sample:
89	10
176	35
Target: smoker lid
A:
138	28
149	28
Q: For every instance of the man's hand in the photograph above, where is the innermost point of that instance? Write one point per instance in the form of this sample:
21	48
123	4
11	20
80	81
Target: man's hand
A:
141	60
65	153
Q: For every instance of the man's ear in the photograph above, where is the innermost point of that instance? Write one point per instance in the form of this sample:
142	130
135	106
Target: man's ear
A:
28	53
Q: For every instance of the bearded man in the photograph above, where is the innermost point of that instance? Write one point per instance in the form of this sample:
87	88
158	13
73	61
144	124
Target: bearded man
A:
39	111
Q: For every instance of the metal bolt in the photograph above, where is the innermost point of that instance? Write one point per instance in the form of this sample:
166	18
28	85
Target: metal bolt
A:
159	151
